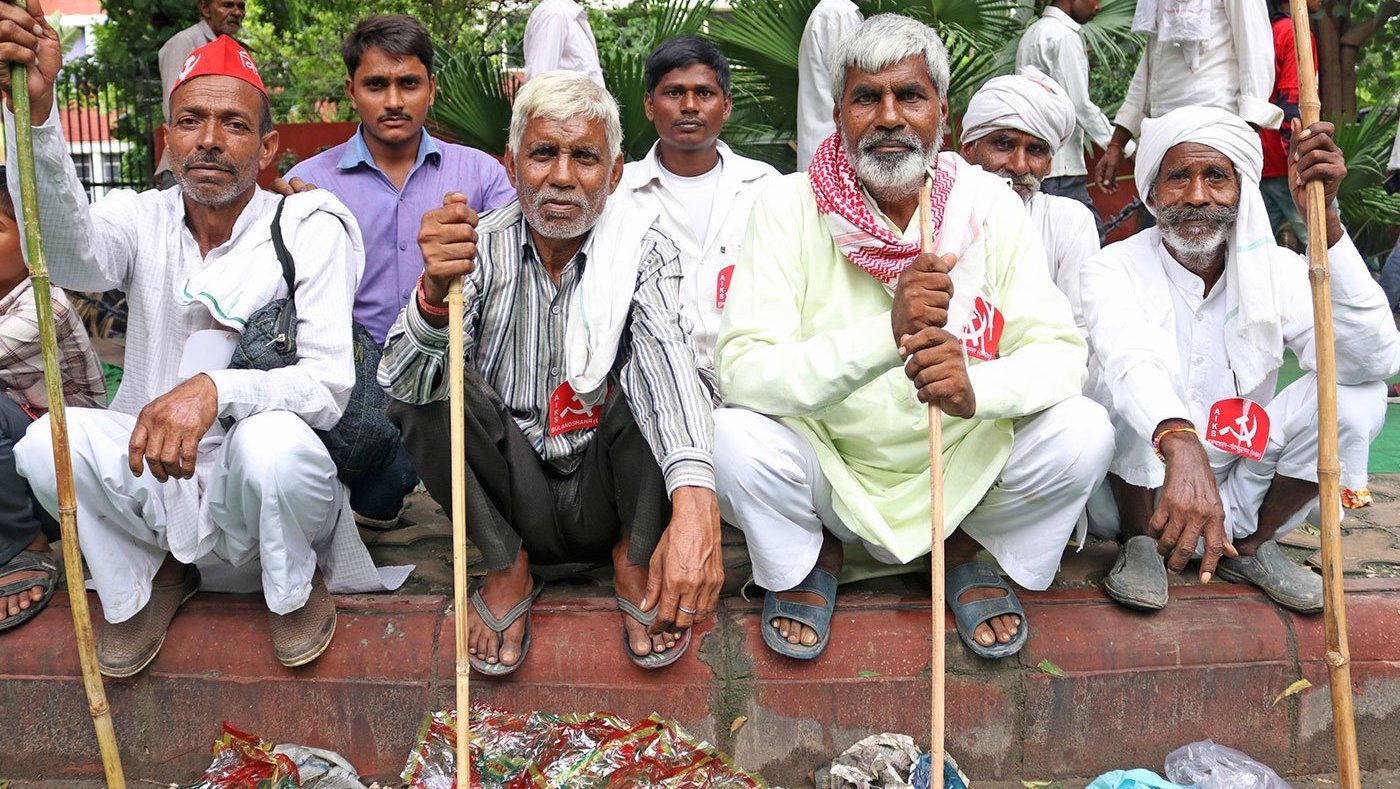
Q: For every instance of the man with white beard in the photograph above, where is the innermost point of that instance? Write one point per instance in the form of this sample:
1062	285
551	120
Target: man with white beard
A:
834	310
1012	128
1189	321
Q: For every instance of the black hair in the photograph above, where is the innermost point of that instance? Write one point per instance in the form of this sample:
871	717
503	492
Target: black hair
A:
682	51
7	203
398	35
265	119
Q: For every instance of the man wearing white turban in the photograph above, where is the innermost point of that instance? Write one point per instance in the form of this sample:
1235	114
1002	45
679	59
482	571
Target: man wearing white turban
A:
1188	322
1012	128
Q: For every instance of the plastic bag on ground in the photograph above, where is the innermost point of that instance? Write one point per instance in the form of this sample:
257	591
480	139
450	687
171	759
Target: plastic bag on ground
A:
521	751
889	761
1133	779
242	760
1208	765
320	769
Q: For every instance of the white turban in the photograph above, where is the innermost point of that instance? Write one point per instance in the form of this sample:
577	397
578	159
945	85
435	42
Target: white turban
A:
1254	332
1027	101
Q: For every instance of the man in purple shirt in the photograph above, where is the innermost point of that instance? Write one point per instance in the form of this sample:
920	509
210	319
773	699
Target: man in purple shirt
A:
389	174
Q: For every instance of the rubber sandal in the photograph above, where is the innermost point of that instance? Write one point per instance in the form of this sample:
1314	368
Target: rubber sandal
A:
24	561
652	660
1139	577
1293	587
501	625
981	575
818	617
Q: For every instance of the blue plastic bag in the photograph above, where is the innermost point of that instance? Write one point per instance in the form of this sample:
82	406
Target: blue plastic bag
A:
1133	779
953	778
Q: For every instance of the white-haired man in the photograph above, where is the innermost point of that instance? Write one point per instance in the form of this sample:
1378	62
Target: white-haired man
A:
1189	322
1198	53
588	423
834	310
160	483
1012	128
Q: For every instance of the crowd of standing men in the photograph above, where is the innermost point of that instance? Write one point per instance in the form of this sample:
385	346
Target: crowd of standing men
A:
658	345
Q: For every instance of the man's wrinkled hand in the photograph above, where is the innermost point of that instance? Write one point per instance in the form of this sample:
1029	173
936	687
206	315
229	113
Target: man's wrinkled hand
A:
447	238
1316	157
169	429
27	39
1106	171
1189	507
934	361
922	294
287	188
687	568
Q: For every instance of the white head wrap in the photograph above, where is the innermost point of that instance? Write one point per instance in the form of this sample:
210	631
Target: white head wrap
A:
1027	101
1184	22
1254	328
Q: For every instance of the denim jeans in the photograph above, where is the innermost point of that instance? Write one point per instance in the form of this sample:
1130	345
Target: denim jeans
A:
380	495
1390	277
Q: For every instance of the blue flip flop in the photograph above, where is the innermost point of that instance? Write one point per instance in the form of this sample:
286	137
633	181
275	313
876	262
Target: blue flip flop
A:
981	575
651	660
818	617
503	624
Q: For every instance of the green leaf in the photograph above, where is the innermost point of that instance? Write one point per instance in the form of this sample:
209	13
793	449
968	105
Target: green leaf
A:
1050	668
1042	784
868	674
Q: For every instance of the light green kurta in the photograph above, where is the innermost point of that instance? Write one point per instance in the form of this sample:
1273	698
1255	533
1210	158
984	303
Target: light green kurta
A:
806	338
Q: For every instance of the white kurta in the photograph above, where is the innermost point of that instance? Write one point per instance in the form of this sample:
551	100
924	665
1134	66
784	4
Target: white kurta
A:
1071	237
559	38
829	21
1235	71
1394	163
708	262
1159	343
139	244
1053	45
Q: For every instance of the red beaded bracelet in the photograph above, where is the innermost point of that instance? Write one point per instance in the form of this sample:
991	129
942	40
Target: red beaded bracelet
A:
1157	442
428	307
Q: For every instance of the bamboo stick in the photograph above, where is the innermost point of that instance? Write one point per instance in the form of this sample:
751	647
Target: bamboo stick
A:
935	462
63	466
456	364
1328	476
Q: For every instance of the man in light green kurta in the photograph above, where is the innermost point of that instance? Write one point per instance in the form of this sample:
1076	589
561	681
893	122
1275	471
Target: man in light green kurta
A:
833	311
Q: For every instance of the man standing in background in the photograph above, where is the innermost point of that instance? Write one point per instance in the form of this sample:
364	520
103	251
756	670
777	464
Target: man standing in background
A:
1278	195
1053	45
830	20
559	38
216	18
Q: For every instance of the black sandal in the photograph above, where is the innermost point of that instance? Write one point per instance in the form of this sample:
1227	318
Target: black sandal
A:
24	561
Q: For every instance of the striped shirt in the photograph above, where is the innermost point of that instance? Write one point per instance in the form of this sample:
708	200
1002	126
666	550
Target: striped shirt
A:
22	359
514	326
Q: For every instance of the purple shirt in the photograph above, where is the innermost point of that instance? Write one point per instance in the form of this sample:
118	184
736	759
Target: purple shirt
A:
390	219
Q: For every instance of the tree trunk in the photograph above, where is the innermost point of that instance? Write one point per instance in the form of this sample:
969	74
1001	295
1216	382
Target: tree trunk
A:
1328	33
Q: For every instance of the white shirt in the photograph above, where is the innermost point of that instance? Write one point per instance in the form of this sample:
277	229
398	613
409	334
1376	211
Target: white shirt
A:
1053	45
1071	237
1235	72
830	20
696	193
558	37
1158	342
710	248
1394	155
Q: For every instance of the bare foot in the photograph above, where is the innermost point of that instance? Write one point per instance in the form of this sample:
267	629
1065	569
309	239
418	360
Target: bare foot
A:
502	590
831	557
630	583
12	605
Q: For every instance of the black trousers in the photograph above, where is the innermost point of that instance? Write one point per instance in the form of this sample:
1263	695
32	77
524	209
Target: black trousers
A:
515	499
21	517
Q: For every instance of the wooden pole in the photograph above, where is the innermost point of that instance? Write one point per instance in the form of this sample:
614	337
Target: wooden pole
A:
456	364
935	462
58	425
1334	613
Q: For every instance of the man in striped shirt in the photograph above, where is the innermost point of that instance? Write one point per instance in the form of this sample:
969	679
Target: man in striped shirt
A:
589	425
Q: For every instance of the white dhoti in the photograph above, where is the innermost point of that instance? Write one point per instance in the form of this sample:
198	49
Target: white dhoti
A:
771	485
1291	452
267	491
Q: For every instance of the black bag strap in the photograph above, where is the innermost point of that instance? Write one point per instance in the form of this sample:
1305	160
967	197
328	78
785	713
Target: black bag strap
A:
284	255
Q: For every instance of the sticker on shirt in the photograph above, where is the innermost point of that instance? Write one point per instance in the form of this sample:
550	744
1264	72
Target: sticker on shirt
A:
568	413
1238	426
726	275
982	333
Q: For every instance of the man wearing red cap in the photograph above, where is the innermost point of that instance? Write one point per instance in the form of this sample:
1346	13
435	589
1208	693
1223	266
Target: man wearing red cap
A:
161	483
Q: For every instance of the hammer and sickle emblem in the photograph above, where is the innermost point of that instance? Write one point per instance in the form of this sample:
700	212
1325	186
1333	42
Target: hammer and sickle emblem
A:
1244	429
190	63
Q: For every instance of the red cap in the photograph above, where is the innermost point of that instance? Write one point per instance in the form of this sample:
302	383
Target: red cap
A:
222	56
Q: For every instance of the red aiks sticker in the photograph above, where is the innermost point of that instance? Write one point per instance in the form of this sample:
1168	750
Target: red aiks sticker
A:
568	413
726	275
982	334
1238	426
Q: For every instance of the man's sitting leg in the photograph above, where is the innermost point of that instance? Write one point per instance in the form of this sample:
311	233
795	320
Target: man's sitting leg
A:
28	572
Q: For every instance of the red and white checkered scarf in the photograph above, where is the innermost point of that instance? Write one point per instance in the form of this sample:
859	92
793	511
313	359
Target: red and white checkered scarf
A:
863	238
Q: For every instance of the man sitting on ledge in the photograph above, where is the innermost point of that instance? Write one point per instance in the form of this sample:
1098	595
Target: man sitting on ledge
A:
833	310
587	424
160	483
1189	321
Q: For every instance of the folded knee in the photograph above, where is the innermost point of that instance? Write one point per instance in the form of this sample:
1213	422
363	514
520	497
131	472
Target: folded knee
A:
1086	435
1361	408
274	440
749	448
